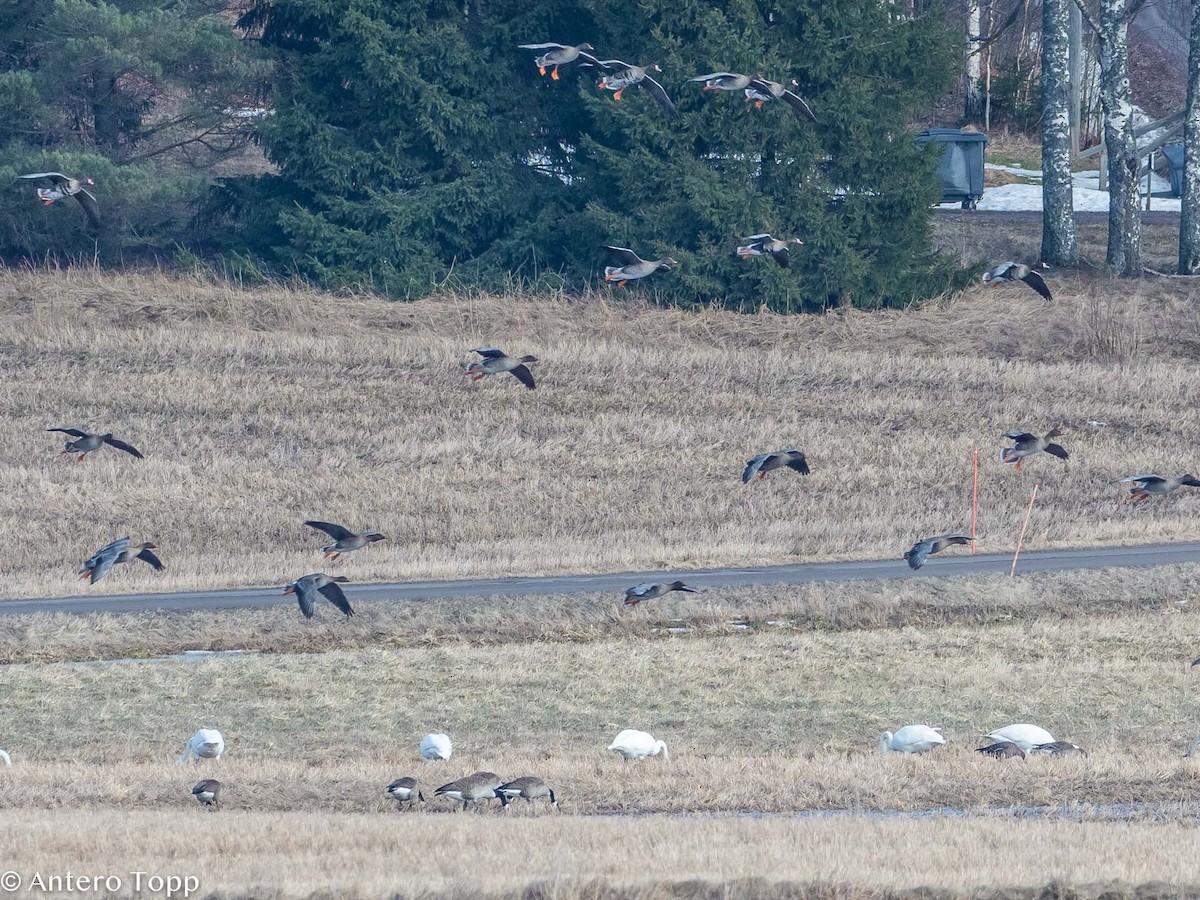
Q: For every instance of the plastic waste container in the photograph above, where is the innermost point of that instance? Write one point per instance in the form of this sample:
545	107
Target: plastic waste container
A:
961	166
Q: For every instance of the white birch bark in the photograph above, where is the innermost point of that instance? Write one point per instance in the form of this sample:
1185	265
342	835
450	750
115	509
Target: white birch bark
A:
973	107
1189	219
1124	255
1059	245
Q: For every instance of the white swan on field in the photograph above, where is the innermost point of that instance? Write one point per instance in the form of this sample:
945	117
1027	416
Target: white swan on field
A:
634	744
5	758
436	746
207	743
911	739
1024	736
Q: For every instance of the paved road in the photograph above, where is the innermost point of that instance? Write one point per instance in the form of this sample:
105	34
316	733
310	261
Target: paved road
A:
952	562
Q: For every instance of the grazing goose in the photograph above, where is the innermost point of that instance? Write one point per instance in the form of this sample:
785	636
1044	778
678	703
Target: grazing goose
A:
630	267
1192	747
406	790
919	552
1146	486
436	746
1028	444
1024	736
310	588
496	362
471	789
559	55
911	739
88	443
724	81
65	186
768	462
653	590
763	91
634	744
344	540
207	743
529	786
765	245
1003	750
119	551
1059	748
208	792
1011	271
628	76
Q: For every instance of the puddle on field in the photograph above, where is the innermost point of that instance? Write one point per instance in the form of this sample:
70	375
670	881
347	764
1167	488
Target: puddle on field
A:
185	656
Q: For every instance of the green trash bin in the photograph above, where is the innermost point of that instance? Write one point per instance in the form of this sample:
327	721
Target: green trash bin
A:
961	167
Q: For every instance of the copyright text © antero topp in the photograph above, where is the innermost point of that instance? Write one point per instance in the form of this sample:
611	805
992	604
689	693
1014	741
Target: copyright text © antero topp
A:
74	883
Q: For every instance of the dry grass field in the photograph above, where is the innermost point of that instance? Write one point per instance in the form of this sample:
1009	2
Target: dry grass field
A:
260	408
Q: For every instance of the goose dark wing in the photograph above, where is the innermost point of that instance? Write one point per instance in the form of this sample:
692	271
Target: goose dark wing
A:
524	376
337	532
121	445
1021	437
104	559
304	596
1035	281
90	207
149	558
782	256
799	464
334	594
752	466
1057	450
796	102
623	256
73	432
490	352
918	553
56	177
658	93
549	46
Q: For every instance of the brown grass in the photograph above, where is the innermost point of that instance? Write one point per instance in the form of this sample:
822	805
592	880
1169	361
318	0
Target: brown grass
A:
260	408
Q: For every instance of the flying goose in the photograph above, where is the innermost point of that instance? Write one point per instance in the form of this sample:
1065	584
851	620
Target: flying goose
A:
1011	271
65	186
559	55
344	540
1027	444
1003	750
529	786
763	91
310	588
768	462
406	790
436	746
654	590
724	81
634	744
496	362
207	743
89	443
765	245
911	739
119	551
919	552
628	76
1058	748
630	267
208	792
1024	736
472	789
1146	486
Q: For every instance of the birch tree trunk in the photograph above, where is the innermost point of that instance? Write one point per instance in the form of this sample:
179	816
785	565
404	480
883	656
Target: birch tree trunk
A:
1124	218
1059	246
1189	219
973	107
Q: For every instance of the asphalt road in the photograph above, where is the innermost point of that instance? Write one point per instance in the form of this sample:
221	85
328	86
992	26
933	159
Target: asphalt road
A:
949	563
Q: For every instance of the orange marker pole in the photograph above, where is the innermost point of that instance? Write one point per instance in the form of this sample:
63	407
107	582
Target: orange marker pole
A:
1021	537
974	496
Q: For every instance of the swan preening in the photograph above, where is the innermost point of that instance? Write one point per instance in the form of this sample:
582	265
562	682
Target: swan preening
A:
1024	736
207	743
436	746
911	739
634	744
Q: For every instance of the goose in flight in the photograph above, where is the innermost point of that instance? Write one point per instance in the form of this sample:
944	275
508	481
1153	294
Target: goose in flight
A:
344	540
528	786
88	443
724	81
1024	736
311	588
911	739
436	746
1026	444
472	789
654	590
496	362
634	744
119	551
919	552
1143	487
559	55
628	76
66	186
630	267
763	91
768	462
1011	271
765	245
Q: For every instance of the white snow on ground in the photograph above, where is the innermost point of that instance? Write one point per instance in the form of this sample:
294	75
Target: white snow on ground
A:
1087	194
